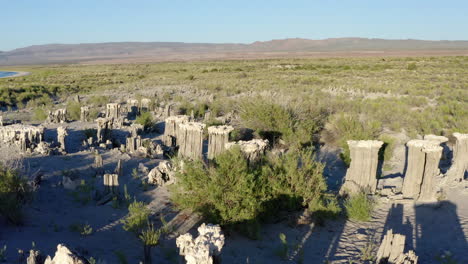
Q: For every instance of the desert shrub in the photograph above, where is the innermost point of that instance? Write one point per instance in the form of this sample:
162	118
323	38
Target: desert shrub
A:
412	66
137	217
39	114
82	229
343	127
44	101
73	110
359	207
98	100
145	119
273	121
14	192
234	193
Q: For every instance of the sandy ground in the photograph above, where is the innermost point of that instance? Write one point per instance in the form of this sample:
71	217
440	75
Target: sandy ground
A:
18	74
430	229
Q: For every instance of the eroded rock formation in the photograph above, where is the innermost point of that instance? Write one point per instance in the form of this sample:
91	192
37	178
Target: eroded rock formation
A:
25	137
63	255
57	116
61	134
145	105
459	166
171	129
253	149
111	183
218	137
104	128
362	172
162	174
392	250
422	169
84	114
204	248
190	140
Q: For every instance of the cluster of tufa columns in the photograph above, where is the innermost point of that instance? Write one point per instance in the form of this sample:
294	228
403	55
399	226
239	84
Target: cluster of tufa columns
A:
24	136
57	116
362	172
171	129
218	137
422	169
190	140
392	250
111	183
104	128
203	249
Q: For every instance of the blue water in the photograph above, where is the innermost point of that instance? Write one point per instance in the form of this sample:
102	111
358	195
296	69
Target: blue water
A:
6	74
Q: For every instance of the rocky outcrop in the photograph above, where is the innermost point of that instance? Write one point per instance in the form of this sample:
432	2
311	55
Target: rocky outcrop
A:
104	129
171	129
61	134
63	255
111	183
143	147
119	168
132	107
253	149
84	114
459	166
422	169
145	105
362	172
57	116
25	137
218	137
190	140
204	248
391	250
162	174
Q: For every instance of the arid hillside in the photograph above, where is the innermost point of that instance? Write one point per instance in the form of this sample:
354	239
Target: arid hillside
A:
125	52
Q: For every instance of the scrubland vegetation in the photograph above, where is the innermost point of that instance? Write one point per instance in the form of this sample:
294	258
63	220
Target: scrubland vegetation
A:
298	105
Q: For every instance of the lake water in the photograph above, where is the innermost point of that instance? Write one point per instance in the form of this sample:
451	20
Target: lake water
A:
6	74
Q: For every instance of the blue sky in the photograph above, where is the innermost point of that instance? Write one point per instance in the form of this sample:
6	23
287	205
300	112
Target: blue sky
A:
30	22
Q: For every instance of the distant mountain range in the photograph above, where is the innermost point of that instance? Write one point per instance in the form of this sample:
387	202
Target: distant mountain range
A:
120	52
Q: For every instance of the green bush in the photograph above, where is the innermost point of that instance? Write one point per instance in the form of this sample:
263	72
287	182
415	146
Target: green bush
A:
412	66
343	127
235	193
145	119
73	110
14	192
359	207
98	100
137	217
273	121
39	114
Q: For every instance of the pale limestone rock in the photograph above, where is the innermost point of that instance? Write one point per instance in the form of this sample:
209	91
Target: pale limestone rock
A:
57	116
104	128
362	172
61	134
111	183
24	136
63	255
218	137
422	169
392	248
253	149
84	114
204	248
171	129
162	174
459	166
190	140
